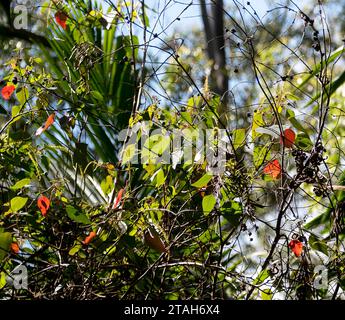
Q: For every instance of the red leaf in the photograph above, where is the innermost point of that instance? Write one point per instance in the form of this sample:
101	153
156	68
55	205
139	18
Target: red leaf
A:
43	204
296	246
273	168
89	238
288	138
7	91
14	247
118	199
48	123
61	18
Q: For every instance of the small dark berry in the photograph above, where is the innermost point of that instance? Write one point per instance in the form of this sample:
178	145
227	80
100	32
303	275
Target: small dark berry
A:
316	46
15	80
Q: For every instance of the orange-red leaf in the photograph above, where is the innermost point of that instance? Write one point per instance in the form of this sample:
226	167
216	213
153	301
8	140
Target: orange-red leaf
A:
7	91
89	238
61	19
273	168
14	247
153	240
43	204
48	123
288	138
118	199
296	246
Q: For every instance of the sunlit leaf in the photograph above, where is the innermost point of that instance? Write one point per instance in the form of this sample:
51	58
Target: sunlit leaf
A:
17	203
21	184
296	247
208	203
203	181
238	138
273	169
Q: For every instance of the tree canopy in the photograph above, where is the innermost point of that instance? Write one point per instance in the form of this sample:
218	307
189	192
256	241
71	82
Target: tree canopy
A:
141	159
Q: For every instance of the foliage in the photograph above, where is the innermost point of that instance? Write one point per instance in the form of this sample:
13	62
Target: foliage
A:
91	222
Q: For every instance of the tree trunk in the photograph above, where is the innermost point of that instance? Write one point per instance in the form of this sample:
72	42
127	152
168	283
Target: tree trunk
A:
213	21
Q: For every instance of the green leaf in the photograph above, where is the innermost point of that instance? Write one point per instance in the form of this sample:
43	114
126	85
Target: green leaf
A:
2	279
22	95
291	96
75	249
290	114
303	141
263	275
257	122
77	216
318	244
232	212
5	243
266	294
38	60
322	219
186	116
260	154
15	111
97	96
157	144
160	178
203	181
238	138
128	153
17	203
331	88
107	184
334	55
21	184
208	203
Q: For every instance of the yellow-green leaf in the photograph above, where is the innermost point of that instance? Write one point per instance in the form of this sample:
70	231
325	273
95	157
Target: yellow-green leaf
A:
2	279
21	184
17	203
266	294
238	138
74	249
22	95
208	203
203	181
5	242
128	153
